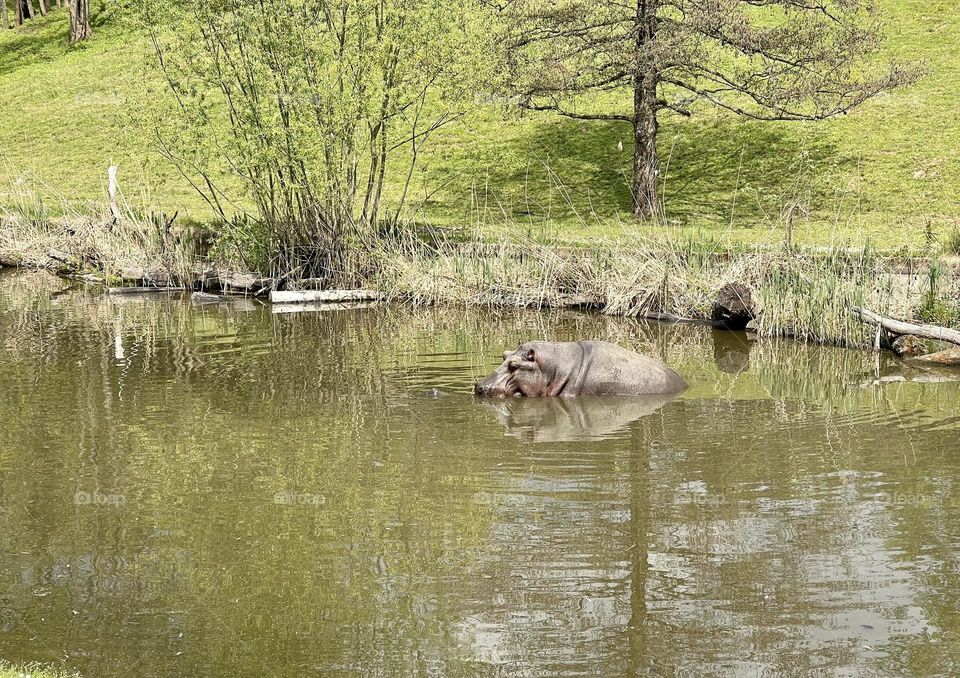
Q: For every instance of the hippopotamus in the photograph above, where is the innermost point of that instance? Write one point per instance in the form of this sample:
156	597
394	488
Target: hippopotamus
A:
575	368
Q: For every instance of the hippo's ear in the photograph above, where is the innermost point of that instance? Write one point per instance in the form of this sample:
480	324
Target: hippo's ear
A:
530	355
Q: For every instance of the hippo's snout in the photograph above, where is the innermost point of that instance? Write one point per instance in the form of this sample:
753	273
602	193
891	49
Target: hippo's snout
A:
496	385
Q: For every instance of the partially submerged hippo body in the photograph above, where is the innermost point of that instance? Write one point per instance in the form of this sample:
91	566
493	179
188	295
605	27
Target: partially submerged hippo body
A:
575	368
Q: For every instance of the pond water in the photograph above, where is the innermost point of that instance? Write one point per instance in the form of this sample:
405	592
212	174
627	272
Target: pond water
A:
219	490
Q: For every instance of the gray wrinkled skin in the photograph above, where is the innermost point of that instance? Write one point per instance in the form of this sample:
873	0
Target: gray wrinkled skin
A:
543	368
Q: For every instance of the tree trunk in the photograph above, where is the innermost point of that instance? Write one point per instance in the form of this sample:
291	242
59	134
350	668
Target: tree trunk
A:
43	7
646	199
6	15
18	12
28	6
79	20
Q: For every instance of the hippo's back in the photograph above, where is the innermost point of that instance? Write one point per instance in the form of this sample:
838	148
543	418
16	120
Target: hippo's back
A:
614	370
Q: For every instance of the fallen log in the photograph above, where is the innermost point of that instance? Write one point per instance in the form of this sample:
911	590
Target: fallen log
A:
901	327
323	296
948	358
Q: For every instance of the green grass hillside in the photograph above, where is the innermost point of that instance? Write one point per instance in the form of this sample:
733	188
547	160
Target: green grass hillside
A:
889	173
32	671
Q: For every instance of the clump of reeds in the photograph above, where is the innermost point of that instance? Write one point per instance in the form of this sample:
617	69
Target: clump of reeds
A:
951	242
806	295
41	228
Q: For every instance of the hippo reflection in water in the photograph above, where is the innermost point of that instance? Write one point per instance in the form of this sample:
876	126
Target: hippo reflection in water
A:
548	420
578	368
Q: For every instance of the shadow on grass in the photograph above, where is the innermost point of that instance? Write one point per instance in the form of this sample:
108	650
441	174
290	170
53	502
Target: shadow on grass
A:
36	41
46	38
744	171
710	166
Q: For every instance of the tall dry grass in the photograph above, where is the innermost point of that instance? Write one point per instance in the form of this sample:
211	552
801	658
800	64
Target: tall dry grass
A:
40	228
800	293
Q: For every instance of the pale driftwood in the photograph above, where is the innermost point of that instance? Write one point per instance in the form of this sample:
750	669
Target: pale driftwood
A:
948	358
321	307
112	192
901	327
323	296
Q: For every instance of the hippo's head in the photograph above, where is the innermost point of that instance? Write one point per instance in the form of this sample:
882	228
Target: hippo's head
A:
522	373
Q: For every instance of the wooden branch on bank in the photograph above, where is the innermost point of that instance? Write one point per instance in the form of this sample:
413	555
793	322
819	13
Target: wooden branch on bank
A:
901	327
324	296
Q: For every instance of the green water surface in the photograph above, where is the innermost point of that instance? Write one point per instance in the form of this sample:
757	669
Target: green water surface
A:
220	490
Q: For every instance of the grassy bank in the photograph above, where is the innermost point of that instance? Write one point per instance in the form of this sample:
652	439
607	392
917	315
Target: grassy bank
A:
799	291
32	671
887	175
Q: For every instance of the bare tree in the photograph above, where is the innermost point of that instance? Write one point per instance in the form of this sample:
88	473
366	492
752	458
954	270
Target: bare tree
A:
764	59
79	20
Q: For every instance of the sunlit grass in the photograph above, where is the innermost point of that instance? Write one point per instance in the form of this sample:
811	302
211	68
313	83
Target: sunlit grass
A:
33	671
877	177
